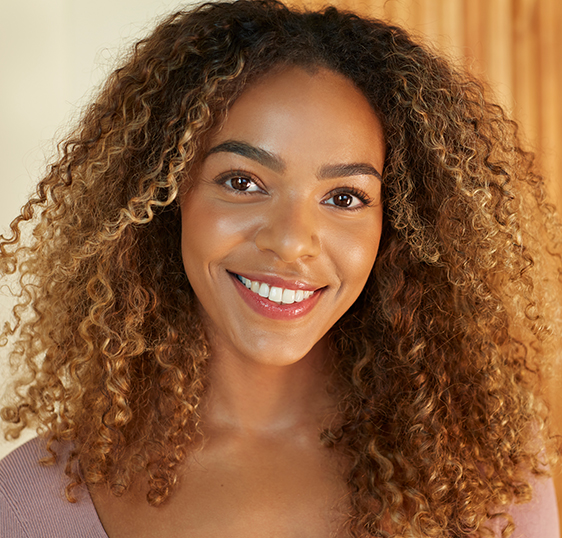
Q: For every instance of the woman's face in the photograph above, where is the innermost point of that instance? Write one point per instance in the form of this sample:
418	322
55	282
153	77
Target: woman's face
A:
282	225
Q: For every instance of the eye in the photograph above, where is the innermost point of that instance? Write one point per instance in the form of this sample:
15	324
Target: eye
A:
348	198
239	182
345	200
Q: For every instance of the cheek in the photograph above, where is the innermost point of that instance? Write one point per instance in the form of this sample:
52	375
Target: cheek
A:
209	234
360	263
198	240
355	252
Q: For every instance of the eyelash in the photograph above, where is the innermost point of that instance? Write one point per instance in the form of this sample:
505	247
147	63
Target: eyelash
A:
361	195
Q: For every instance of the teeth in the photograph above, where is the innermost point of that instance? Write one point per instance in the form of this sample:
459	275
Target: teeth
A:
288	296
263	290
275	294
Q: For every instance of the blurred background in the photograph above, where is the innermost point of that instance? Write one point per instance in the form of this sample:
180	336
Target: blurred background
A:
54	54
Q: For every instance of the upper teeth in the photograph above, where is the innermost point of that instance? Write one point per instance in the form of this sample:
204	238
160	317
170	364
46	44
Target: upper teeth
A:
275	294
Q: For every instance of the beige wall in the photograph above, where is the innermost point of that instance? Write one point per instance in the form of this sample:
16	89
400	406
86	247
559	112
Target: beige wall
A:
52	54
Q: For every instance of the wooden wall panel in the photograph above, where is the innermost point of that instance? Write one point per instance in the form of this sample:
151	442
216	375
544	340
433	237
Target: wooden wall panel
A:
516	46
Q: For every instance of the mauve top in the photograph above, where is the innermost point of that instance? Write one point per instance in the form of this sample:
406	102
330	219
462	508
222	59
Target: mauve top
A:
32	503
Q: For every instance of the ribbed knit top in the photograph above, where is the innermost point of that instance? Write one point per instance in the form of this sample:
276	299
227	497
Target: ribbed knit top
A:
33	505
32	501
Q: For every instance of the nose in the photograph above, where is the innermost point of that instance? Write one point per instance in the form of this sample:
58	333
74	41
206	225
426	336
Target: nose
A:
290	231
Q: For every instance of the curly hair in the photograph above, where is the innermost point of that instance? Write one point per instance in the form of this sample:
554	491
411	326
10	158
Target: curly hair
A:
439	361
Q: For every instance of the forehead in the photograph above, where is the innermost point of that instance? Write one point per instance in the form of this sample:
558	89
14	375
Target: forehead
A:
301	106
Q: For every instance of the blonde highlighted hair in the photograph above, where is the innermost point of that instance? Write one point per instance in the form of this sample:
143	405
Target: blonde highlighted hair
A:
439	360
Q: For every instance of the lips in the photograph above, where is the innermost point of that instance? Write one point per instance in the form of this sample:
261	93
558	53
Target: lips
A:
277	299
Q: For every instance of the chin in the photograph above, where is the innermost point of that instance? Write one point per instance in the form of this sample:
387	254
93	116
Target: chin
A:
276	351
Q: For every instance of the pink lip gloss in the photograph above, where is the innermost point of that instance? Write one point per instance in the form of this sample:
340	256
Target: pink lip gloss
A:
272	310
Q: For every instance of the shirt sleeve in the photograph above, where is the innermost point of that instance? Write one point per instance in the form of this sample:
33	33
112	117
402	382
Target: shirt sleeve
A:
9	522
536	519
539	518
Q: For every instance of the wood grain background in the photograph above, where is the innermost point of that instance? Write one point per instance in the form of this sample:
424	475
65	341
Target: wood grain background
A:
516	47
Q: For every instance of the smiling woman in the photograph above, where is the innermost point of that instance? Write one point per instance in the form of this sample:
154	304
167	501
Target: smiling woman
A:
284	280
286	199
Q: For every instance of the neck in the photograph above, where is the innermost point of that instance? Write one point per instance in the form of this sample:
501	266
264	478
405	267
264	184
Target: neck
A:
259	398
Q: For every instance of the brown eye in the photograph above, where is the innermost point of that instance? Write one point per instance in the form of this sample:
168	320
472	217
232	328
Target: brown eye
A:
343	200
348	198
240	183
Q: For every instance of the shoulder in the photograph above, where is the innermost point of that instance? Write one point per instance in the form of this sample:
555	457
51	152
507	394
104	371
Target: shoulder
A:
540	516
536	519
32	500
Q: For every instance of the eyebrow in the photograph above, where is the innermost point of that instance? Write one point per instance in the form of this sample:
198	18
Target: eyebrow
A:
251	152
277	164
344	170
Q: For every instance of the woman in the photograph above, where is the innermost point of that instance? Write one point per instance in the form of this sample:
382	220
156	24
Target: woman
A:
282	282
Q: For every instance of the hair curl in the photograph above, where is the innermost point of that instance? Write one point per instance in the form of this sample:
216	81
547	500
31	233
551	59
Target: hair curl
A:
440	358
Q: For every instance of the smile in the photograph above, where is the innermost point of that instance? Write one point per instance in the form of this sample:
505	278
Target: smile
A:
274	293
277	302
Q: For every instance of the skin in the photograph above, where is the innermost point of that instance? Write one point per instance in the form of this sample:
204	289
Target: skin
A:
298	142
